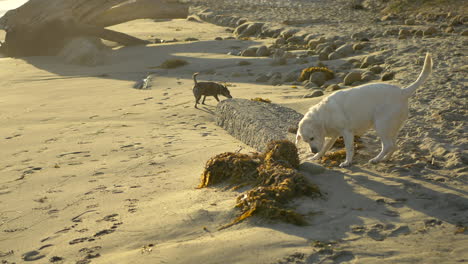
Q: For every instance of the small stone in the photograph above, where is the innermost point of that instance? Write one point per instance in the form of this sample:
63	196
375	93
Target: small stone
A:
368	76
390	32
376	69
402	230
359	46
280	41
410	22
464	33
218	38
310	85
371	60
244	63
296	40
449	30
291	76
430	31
345	50
323	56
315	93
388	76
418	33
404	32
352	77
332	88
376	235
191	39
335	56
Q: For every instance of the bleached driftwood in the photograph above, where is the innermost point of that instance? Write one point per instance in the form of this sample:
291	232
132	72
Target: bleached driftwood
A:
43	27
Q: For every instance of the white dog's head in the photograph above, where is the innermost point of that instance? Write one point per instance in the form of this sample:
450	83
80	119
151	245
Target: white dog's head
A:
311	131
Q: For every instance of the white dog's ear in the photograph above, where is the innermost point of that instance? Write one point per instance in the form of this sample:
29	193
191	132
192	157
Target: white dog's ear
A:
298	137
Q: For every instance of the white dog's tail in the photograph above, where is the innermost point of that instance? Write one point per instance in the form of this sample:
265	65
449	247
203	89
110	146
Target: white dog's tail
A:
426	71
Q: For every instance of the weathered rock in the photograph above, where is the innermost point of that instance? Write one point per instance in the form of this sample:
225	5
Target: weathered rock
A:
318	78
256	123
323	56
464	33
315	93
249	52
352	77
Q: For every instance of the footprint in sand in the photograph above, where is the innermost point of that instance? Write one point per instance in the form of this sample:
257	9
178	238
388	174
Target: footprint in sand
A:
89	253
14	136
32	255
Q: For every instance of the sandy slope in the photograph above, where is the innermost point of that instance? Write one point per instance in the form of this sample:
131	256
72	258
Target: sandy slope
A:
93	170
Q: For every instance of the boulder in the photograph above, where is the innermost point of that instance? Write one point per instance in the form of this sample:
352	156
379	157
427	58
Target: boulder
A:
262	51
256	123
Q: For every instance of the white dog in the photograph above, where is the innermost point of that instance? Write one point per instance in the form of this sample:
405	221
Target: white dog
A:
346	113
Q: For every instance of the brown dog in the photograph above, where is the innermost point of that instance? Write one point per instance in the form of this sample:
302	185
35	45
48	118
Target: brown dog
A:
208	89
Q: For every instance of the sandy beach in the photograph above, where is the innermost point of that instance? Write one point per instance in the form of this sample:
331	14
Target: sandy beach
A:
95	171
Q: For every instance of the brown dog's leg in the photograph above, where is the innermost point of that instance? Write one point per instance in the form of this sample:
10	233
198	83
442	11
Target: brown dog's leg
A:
204	97
197	98
216	97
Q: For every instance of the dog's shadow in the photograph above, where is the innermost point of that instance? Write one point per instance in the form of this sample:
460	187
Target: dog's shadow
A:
207	108
358	203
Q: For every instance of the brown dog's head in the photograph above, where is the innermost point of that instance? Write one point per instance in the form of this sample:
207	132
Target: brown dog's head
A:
223	90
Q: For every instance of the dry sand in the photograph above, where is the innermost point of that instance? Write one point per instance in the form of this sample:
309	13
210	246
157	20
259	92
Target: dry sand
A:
92	170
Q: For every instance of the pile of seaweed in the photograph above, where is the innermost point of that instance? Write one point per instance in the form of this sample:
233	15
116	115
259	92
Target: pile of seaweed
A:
273	176
262	100
305	74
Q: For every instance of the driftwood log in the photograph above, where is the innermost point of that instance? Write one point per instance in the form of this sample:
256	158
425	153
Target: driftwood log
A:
43	27
256	123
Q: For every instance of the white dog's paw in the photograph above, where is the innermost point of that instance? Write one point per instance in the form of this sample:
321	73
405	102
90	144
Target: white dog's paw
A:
374	160
346	163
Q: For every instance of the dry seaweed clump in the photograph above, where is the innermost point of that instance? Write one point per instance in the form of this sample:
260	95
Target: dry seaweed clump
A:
305	74
259	99
173	63
272	174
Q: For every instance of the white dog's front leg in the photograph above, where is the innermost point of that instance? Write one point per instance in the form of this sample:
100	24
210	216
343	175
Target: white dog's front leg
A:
328	144
349	144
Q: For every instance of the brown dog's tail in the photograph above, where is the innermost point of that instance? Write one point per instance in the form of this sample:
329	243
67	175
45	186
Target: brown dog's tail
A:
426	71
194	76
